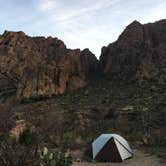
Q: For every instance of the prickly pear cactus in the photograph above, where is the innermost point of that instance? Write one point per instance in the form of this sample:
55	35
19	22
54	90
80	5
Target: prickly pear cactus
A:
55	158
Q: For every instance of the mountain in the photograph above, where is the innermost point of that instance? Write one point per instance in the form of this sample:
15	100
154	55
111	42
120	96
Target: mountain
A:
40	67
138	54
36	67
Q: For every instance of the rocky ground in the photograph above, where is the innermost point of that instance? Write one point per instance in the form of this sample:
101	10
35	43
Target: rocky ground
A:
140	159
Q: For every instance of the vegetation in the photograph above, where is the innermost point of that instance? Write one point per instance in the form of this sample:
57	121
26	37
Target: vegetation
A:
55	158
73	120
25	151
19	152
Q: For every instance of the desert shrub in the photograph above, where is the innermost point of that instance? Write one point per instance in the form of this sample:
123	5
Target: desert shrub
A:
157	141
13	153
28	137
135	137
49	158
21	151
88	154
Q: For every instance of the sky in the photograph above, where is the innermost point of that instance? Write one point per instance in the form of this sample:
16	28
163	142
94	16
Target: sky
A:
79	23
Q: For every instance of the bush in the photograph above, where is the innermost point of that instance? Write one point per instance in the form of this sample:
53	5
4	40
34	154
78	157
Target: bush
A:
12	153
19	152
28	137
49	158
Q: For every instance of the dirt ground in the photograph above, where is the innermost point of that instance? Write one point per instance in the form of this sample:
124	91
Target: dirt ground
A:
140	159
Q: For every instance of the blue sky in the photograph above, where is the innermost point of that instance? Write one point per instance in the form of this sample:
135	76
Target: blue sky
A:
80	24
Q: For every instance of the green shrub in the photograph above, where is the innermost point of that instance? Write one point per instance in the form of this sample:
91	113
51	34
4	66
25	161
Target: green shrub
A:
49	158
28	137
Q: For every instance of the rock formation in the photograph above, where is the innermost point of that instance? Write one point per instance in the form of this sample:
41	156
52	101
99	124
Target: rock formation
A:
138	54
41	67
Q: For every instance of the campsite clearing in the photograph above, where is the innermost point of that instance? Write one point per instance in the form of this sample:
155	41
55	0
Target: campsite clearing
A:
140	158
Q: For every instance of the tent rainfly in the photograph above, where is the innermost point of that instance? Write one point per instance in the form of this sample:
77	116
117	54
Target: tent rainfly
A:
111	148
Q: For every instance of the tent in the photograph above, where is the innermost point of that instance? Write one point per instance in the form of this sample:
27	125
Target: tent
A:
111	148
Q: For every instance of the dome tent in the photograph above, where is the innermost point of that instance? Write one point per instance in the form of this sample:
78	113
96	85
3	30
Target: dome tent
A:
111	148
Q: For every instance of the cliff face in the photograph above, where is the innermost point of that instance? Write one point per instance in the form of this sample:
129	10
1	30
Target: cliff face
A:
38	66
138	54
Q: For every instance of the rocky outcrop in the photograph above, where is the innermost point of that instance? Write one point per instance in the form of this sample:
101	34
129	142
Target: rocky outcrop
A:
43	67
39	67
138	54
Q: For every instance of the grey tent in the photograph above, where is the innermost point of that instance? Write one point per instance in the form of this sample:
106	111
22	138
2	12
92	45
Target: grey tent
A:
111	148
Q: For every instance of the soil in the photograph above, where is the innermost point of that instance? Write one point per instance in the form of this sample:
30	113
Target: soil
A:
140	159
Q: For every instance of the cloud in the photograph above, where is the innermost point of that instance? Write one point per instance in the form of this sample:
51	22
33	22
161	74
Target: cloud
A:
77	21
157	12
80	24
47	5
60	11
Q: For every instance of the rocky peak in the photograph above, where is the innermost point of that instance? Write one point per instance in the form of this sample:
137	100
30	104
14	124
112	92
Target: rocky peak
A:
138	54
12	34
133	31
134	24
89	62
